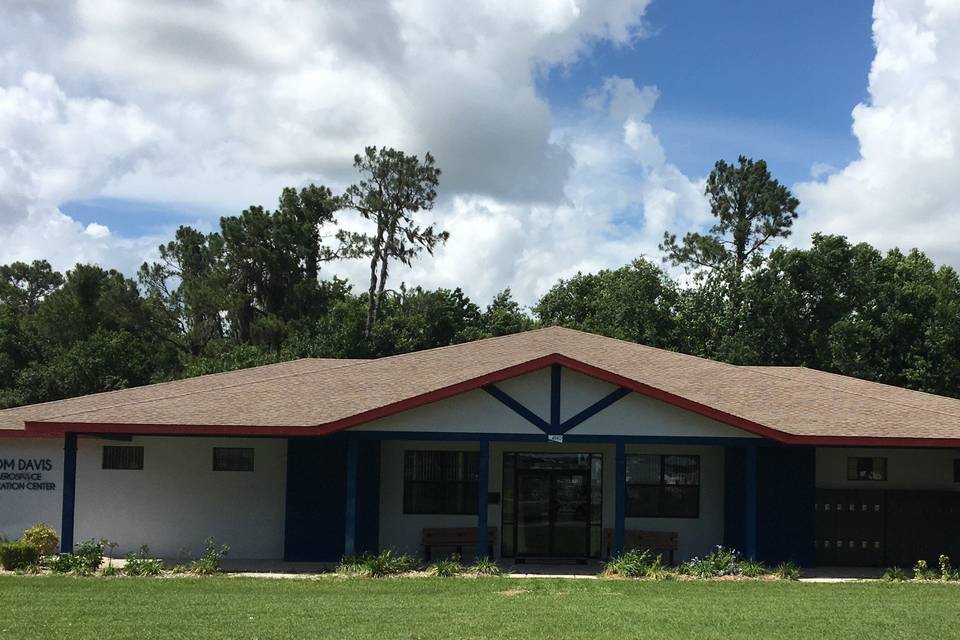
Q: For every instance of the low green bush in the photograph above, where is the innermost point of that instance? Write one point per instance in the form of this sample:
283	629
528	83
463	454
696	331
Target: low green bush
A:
923	572
752	569
385	563
447	568
894	574
89	554
635	563
43	538
718	563
140	564
208	563
111	570
18	556
485	567
787	571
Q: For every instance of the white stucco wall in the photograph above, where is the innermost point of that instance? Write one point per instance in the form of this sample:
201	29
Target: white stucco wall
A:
402	532
176	502
24	507
919	469
479	412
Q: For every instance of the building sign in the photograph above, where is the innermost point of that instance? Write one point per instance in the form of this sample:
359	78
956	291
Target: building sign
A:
26	474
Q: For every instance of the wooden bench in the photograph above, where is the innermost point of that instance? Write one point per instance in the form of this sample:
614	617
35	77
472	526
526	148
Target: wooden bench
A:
652	540
458	537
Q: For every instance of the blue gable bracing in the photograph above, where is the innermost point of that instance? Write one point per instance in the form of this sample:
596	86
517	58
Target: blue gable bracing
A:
316	499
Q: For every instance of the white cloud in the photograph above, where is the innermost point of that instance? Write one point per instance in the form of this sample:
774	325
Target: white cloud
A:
902	189
220	103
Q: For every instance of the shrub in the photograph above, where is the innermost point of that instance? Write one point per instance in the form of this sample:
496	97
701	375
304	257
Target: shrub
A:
209	561
89	555
354	565
752	568
64	563
894	574
110	571
43	538
139	564
719	562
787	571
485	567
447	568
17	556
946	569
631	564
386	563
922	572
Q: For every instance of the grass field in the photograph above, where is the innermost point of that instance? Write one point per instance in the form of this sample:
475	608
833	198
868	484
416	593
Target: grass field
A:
224	607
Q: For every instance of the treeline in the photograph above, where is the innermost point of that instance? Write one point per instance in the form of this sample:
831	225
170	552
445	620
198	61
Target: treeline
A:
254	293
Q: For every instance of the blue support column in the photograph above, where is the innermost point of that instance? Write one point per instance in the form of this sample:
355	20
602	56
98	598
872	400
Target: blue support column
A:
69	492
482	499
620	486
350	513
555	376
751	502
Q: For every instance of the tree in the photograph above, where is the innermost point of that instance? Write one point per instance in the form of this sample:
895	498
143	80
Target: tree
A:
635	302
272	260
751	209
504	316
394	187
190	285
24	286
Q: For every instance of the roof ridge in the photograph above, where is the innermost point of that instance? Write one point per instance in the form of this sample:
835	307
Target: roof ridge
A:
862	395
195	391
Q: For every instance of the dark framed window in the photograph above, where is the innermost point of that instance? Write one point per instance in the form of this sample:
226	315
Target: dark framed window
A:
441	482
232	459
870	469
956	470
123	458
663	486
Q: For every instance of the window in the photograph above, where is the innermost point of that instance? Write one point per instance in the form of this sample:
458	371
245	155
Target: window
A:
866	468
126	458
663	486
441	482
956	470
232	459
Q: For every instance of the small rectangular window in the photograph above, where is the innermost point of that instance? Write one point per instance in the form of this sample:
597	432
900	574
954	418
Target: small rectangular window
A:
232	459
956	470
867	469
663	486
123	458
441	482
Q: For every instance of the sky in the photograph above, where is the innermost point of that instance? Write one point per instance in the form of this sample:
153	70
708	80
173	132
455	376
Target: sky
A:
571	133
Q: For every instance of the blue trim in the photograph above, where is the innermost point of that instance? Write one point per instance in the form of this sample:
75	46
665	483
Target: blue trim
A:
751	503
482	502
620	507
448	436
594	409
517	407
350	516
555	376
69	492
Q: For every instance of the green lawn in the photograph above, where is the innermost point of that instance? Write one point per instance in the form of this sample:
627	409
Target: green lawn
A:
224	607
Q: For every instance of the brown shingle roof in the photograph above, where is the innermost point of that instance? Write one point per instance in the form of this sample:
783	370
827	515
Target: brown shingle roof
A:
14	418
789	406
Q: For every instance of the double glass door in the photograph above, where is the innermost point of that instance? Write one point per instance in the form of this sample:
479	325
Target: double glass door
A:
552	505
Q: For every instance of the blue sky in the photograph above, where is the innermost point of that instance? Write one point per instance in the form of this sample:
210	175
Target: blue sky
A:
772	80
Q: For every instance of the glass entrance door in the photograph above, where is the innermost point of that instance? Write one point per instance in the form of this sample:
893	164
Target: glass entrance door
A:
553	510
551	504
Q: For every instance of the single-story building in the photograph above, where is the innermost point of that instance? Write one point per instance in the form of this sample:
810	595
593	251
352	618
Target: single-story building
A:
546	444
